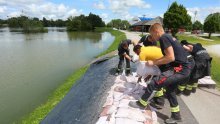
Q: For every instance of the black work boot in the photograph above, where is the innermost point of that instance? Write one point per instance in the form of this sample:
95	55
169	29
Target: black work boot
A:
136	104
157	102
175	117
187	92
194	90
178	92
118	72
127	72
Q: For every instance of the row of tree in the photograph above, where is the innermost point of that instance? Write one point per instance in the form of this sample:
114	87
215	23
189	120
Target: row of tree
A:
76	23
27	24
119	24
83	22
176	17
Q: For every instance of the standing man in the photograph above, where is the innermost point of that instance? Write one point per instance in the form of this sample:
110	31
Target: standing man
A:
123	53
177	72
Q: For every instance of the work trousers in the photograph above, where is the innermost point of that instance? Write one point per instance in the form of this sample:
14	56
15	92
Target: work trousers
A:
169	80
121	62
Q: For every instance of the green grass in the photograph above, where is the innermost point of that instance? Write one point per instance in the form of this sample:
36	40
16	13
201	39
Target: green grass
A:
41	112
192	39
215	69
118	37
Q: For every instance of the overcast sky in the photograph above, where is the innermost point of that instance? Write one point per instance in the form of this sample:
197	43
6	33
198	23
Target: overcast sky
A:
107	9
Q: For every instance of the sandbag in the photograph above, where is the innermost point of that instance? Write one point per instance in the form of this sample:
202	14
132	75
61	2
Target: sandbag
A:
143	70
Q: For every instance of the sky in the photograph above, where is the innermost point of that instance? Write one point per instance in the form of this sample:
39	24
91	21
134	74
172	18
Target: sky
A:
106	9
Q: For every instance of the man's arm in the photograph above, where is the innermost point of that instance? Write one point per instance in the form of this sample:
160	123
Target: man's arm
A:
189	48
167	58
127	57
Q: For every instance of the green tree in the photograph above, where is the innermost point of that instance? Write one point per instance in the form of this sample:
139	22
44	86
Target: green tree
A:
95	21
45	22
212	23
83	22
176	17
125	24
197	25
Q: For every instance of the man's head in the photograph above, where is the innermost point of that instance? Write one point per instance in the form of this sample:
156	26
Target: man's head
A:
156	30
137	49
149	41
124	45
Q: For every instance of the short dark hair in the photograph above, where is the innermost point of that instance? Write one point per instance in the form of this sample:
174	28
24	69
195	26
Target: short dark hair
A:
137	47
146	42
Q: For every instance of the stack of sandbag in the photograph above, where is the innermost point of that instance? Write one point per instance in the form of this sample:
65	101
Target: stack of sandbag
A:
116	109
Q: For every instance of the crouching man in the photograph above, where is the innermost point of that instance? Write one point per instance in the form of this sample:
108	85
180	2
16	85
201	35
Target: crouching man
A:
177	72
123	53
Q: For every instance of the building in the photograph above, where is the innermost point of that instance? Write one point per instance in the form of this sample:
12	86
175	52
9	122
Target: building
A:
143	24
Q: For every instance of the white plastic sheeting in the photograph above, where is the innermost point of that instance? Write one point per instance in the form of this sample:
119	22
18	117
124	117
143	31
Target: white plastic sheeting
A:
116	109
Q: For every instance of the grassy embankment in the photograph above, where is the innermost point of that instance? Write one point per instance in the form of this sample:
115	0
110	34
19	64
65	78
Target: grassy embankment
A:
40	112
118	37
215	70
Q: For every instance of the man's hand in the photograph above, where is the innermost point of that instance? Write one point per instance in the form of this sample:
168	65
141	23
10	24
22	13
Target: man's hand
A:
149	63
139	79
132	61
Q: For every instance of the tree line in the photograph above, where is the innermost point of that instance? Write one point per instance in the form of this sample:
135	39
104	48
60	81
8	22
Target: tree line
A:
83	22
176	17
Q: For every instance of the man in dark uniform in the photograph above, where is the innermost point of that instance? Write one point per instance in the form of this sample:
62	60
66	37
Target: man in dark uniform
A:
177	72
123	53
146	40
202	65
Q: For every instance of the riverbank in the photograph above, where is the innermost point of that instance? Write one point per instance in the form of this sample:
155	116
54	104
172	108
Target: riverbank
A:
40	112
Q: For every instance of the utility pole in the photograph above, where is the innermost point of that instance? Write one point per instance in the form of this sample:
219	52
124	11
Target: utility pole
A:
143	24
195	13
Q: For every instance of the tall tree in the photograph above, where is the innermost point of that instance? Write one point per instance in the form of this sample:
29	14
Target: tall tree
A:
176	17
212	23
197	25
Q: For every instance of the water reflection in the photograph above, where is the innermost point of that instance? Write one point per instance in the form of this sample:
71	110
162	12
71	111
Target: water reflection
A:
91	36
33	65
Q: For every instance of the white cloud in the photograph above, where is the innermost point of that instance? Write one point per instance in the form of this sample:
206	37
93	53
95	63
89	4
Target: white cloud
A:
37	8
3	9
124	5
105	17
99	5
202	13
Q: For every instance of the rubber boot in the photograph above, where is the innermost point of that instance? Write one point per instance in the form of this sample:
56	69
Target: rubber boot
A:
118	72
187	92
175	117
128	72
157	102
194	90
136	104
178	92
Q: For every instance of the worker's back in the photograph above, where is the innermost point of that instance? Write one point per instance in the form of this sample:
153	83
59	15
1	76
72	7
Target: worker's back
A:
150	53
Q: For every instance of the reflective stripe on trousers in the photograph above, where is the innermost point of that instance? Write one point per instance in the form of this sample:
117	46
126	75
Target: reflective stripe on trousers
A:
181	87
144	103
195	85
189	87
175	109
159	93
